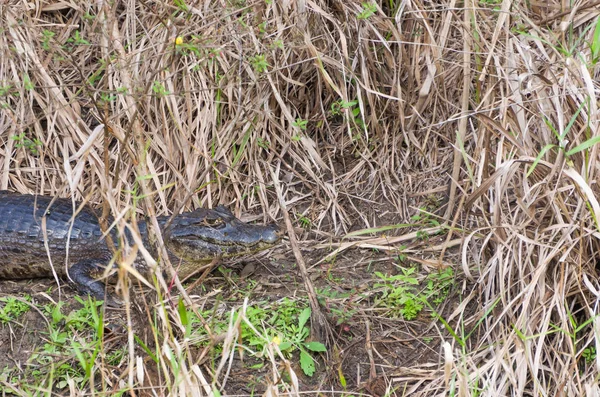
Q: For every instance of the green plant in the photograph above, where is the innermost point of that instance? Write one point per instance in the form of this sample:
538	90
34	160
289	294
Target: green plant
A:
107	98
401	257
438	285
259	63
368	10
300	123
343	107
563	140
296	338
336	302
422	235
401	296
77	39
159	89
304	221
31	145
277	44
181	5
47	36
263	143
589	354
283	322
69	354
6	90
595	44
13	308
27	84
262	27
338	106
423	217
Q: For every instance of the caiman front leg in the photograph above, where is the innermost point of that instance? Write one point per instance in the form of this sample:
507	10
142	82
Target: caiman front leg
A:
82	275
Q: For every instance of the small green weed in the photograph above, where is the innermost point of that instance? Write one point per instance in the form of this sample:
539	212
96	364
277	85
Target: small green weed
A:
159	89
589	354
296	339
368	10
47	36
6	90
259	63
300	123
401	296
263	143
181	5
438	286
27	83
31	145
13	308
77	39
277	44
424	218
283	322
304	221
595	44
340	107
335	302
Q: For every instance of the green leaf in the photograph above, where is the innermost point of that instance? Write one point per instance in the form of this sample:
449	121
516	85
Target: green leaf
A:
146	349
571	122
596	40
182	312
315	346
285	346
240	151
539	157
303	318
307	364
378	229
342	377
585	145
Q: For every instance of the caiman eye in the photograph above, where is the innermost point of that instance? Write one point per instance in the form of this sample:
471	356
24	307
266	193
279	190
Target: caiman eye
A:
212	222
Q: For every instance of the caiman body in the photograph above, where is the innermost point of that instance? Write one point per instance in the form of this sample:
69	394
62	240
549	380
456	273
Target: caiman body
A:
36	228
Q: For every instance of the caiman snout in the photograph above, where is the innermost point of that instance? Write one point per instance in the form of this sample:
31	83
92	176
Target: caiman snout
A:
272	233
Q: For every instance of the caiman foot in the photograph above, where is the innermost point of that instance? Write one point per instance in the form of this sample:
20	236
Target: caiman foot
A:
81	274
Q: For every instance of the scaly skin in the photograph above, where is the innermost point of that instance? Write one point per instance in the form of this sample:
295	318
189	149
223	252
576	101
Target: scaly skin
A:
28	223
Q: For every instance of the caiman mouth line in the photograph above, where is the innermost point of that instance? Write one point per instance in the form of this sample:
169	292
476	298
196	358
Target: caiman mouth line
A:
216	242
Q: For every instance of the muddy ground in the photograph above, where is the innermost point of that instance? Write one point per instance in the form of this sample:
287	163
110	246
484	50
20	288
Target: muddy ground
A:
373	350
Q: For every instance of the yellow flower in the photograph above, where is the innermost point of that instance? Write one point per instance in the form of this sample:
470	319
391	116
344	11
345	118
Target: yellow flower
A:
276	340
179	40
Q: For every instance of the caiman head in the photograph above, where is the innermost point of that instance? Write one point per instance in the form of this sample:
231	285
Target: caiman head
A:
204	234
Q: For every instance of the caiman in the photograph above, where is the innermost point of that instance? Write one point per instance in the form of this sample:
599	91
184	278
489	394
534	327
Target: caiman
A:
29	224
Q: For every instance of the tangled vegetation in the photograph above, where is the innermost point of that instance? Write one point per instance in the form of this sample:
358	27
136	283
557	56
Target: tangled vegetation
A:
434	165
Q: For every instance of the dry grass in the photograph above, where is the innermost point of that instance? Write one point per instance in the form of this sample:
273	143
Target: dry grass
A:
360	114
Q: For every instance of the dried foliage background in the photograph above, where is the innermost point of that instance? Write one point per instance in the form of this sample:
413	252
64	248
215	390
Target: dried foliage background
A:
358	110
